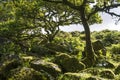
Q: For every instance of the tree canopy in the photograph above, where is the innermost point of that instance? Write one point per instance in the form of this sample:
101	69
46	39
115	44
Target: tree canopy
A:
23	21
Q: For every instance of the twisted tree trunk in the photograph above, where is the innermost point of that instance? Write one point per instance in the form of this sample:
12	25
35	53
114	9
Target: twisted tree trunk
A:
90	55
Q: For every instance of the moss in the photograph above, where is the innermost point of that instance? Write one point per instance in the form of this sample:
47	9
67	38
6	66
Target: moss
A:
73	65
68	63
56	47
26	60
93	71
62	56
41	51
117	70
105	64
75	76
49	67
109	65
93	78
107	74
89	61
8	62
116	57
117	77
26	74
7	66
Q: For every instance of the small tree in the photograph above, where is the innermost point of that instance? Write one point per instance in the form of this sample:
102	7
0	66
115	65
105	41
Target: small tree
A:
28	18
89	13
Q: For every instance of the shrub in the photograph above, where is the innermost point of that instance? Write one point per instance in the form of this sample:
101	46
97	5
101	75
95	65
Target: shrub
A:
115	49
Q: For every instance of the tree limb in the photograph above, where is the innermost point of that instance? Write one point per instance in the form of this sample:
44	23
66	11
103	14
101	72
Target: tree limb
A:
104	9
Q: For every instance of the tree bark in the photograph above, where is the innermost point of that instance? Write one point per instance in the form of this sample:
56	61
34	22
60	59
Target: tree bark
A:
90	55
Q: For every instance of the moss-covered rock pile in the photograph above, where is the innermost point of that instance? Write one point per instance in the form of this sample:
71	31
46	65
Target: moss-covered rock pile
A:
7	63
48	67
68	63
74	76
25	73
60	67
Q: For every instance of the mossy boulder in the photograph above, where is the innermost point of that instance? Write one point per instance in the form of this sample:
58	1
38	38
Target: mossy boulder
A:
107	74
93	71
57	47
26	74
93	78
106	64
109	64
8	63
117	70
9	57
68	63
49	67
75	76
116	57
39	51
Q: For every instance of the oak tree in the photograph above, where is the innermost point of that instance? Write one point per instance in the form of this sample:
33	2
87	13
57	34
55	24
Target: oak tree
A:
88	11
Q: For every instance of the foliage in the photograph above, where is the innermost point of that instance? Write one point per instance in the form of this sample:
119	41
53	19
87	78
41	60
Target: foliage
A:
107	37
65	60
74	44
115	49
9	47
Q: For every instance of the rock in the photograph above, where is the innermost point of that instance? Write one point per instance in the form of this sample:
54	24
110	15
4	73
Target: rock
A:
117	70
107	74
93	71
61	57
48	67
109	64
39	51
26	74
116	57
75	76
9	57
7	66
9	61
93	78
68	63
105	64
57	47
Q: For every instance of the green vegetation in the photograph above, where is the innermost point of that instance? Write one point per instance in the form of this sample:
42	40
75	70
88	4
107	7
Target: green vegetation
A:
61	61
32	46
